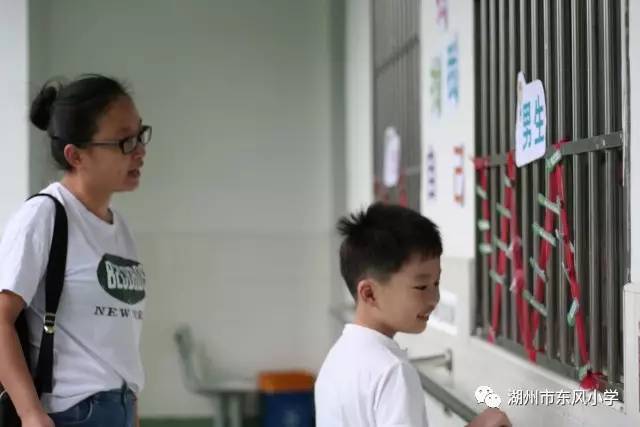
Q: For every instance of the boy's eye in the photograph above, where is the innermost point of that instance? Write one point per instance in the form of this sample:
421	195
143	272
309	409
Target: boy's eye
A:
422	288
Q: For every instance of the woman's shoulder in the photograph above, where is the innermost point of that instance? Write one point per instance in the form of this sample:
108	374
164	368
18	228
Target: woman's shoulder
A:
36	213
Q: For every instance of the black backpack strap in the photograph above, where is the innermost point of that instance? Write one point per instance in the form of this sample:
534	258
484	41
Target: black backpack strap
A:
54	281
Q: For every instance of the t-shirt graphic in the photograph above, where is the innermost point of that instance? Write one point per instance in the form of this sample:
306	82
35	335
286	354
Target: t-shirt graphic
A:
122	278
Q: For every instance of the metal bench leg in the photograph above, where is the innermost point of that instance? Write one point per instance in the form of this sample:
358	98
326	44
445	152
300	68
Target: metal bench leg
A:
235	411
218	418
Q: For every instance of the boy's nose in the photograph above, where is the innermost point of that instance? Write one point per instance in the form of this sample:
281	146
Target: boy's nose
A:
433	300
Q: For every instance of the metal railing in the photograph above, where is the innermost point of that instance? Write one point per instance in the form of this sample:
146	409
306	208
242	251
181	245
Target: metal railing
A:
438	391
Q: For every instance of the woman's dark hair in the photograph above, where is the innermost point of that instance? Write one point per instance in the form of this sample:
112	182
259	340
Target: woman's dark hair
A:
69	112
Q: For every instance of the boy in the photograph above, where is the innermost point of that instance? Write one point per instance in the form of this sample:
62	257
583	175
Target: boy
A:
390	261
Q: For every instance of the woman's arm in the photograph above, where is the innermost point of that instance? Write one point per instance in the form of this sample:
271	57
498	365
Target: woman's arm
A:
14	373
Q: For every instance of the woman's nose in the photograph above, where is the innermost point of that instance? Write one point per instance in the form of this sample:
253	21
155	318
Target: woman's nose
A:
140	151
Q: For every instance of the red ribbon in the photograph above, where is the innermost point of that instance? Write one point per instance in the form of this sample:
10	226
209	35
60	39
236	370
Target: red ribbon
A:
556	191
522	309
545	252
502	263
481	164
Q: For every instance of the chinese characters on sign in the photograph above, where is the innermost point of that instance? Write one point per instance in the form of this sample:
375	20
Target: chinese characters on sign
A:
520	397
458	175
453	74
430	175
444	83
435	89
562	397
442	14
531	122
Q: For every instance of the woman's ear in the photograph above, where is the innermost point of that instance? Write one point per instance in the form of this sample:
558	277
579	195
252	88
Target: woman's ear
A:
73	155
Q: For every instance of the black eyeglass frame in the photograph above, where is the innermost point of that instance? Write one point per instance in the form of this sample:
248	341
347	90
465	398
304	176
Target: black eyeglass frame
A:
143	137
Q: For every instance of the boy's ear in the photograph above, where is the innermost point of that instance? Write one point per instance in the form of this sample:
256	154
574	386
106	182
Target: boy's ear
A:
366	291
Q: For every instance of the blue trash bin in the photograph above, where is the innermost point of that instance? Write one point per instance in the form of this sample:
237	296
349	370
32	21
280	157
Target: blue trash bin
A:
287	399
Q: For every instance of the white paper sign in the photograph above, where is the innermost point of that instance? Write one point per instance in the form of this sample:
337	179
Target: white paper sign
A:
531	124
391	165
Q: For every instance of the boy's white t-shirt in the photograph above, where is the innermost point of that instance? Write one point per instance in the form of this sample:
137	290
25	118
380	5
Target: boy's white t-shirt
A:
367	380
99	319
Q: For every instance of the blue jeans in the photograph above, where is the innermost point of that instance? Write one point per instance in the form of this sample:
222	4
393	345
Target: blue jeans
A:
113	408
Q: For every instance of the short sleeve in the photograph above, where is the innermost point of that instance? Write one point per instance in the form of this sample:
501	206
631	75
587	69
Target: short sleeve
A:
24	248
400	400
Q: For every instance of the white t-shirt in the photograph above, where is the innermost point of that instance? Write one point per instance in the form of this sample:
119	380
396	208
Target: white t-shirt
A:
99	319
367	381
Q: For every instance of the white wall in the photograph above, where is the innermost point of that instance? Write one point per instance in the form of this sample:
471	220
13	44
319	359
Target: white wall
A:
358	153
235	211
42	168
359	112
14	178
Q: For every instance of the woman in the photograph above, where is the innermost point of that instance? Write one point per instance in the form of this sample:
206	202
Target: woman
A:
98	139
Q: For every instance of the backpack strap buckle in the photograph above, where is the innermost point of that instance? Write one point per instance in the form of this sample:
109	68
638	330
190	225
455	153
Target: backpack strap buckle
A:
49	323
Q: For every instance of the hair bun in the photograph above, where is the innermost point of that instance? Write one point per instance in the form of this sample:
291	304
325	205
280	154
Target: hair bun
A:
40	114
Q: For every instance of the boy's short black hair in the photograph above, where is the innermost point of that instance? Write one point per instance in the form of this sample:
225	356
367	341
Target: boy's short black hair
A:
379	241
